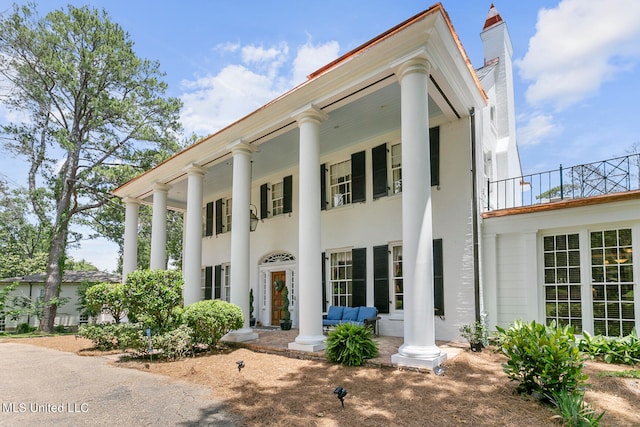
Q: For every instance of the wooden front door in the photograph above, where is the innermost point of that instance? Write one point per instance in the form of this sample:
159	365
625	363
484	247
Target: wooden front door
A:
278	279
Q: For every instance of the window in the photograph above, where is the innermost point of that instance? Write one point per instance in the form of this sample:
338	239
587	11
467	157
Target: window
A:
396	278
223	215
612	282
562	282
83	320
2	322
340	183
227	214
206	280
207	224
396	168
277	199
226	283
341	278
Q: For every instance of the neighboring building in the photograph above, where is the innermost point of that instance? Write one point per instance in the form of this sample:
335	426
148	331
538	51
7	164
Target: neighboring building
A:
68	314
366	186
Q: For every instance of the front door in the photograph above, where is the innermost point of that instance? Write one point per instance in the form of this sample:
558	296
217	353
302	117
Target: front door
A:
278	282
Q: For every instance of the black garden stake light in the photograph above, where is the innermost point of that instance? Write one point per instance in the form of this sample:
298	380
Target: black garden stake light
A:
341	392
240	364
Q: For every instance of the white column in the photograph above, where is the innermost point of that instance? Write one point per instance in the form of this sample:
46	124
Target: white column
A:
419	348
159	228
240	213
310	336
192	256
130	250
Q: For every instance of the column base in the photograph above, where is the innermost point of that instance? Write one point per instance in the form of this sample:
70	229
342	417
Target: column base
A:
308	343
240	335
428	357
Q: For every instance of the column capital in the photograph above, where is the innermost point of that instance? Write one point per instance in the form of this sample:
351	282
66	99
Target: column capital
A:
310	112
194	169
416	61
159	187
131	201
241	147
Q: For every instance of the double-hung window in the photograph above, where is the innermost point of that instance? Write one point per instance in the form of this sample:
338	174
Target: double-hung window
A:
340	183
341	278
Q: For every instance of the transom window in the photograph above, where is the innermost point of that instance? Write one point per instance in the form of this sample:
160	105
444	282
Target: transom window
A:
396	168
340	182
341	278
612	282
396	278
277	199
562	280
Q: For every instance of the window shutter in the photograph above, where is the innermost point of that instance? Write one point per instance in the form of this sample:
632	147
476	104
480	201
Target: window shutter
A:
434	149
359	277
208	230
218	282
379	167
208	282
218	216
264	201
324	283
438	279
287	187
358	183
323	186
381	278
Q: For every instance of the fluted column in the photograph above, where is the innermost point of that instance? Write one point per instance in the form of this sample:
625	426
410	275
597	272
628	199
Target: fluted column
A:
419	348
310	337
240	214
192	256
130	250
158	259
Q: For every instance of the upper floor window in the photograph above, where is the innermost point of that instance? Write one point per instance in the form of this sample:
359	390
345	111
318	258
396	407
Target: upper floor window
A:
346	182
340	183
276	198
396	168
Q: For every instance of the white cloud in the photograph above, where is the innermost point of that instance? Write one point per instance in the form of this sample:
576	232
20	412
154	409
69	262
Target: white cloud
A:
536	128
579	45
259	75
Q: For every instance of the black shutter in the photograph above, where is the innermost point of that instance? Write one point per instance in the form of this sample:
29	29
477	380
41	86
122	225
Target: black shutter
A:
323	187
359	277
208	282
324	283
218	282
379	167
287	189
218	216
358	184
434	149
381	278
208	230
264	201
438	278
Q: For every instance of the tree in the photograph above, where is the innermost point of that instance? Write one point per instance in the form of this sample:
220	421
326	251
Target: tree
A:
107	297
93	108
152	295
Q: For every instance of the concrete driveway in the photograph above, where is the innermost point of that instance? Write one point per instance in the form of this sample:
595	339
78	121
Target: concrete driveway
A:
39	386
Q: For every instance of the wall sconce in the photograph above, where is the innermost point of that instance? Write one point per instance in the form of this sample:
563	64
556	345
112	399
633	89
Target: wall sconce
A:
253	218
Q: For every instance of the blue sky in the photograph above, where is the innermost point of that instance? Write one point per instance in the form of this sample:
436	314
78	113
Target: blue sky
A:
576	64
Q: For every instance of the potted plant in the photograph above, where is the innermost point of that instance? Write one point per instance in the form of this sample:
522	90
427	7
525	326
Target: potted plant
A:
252	320
285	323
476	334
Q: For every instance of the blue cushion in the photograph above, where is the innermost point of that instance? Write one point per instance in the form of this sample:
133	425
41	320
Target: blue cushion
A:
334	313
350	314
330	322
366	313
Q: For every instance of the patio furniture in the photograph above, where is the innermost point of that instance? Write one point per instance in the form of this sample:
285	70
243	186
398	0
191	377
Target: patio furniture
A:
365	316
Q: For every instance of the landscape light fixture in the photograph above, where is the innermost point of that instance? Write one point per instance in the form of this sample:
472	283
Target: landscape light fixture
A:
240	364
341	392
439	370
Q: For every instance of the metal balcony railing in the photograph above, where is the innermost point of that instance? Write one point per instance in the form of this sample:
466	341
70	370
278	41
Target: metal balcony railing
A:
592	179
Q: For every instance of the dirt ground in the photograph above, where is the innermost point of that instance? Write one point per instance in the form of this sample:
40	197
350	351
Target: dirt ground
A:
278	390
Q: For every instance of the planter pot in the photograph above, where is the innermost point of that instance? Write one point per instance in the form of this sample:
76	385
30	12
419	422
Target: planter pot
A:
252	322
476	347
285	326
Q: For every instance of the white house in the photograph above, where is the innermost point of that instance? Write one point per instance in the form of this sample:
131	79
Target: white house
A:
366	185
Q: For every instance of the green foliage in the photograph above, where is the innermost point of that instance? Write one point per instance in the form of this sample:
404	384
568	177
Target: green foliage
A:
82	300
107	297
541	358
152	295
633	373
251	303
5	291
285	305
174	344
111	336
350	344
211	319
573	410
25	328
477	332
625	350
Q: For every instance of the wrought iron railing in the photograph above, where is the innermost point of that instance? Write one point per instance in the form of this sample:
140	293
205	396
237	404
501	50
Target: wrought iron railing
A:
592	179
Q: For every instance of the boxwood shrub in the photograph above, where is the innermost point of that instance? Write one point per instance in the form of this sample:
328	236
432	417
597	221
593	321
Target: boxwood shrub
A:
212	319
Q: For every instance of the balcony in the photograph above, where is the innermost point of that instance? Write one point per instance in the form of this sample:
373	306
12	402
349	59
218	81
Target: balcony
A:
604	177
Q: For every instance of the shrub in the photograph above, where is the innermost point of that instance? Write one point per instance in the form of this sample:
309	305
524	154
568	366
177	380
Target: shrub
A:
176	343
573	410
109	336
25	328
211	319
350	344
107	297
624	350
541	358
152	295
